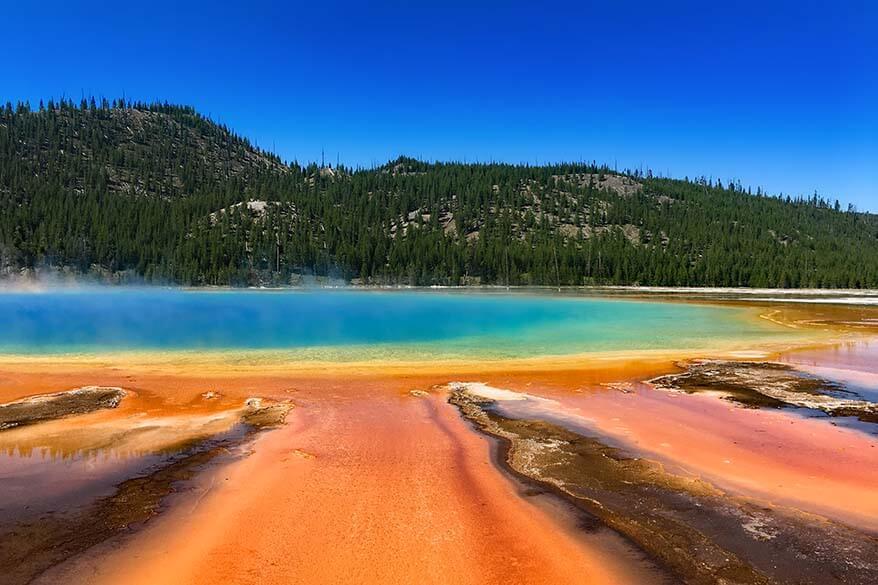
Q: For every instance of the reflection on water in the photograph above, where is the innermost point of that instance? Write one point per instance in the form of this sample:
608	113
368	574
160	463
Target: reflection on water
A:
854	364
75	460
46	481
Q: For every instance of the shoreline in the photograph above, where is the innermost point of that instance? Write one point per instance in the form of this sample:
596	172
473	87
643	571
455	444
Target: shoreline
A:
218	364
7	285
710	295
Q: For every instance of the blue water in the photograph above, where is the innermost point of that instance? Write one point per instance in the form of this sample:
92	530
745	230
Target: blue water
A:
339	324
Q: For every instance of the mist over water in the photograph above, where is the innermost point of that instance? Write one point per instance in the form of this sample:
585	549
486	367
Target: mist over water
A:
337	323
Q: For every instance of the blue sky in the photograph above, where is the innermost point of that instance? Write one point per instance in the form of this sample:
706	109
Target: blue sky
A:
778	94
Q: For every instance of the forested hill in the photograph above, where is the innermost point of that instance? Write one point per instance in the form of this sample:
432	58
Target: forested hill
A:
133	191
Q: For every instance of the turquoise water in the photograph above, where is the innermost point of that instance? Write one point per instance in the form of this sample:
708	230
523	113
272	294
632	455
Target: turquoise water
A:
356	324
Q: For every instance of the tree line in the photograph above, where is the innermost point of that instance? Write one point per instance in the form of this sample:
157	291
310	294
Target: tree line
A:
159	192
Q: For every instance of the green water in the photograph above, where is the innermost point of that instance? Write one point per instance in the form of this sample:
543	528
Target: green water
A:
343	325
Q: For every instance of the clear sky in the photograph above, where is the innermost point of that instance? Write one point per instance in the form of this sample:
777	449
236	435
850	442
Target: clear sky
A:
778	94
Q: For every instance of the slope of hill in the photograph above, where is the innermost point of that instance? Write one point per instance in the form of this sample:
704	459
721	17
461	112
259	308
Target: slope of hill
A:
160	192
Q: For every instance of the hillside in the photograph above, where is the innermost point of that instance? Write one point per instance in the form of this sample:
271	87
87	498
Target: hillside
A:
159	192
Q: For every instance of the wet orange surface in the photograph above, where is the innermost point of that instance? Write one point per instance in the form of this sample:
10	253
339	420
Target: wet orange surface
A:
808	464
389	489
